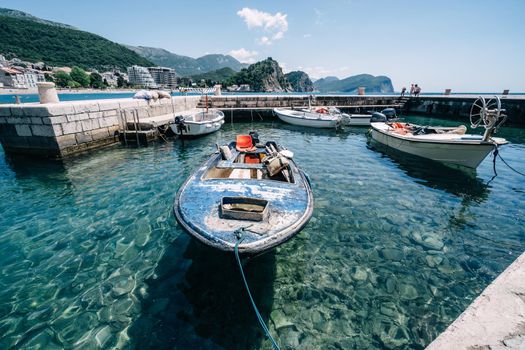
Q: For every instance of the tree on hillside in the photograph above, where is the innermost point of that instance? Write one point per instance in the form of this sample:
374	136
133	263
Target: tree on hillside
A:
62	79
80	76
95	81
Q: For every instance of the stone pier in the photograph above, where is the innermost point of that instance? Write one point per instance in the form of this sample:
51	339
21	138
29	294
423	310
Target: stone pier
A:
495	320
61	129
66	128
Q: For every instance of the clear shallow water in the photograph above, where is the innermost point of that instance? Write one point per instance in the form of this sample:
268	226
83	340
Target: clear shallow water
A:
91	256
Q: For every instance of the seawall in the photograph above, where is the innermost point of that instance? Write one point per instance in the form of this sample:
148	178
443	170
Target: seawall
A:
67	128
57	130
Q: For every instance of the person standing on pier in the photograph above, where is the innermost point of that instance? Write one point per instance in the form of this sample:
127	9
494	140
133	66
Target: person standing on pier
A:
417	90
403	91
411	89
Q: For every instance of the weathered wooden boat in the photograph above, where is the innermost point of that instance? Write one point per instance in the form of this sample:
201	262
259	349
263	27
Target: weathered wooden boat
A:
200	123
247	191
446	144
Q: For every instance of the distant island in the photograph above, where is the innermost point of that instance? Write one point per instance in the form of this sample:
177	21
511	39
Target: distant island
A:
34	49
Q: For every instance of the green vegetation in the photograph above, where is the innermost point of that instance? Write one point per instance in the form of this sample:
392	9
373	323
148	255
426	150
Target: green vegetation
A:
187	66
80	76
96	81
262	76
300	81
58	46
63	79
215	77
379	84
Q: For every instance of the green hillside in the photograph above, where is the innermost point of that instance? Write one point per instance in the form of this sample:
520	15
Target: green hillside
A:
186	66
372	84
217	76
34	41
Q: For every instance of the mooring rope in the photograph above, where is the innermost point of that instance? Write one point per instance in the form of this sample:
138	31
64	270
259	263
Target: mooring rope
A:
496	155
239	233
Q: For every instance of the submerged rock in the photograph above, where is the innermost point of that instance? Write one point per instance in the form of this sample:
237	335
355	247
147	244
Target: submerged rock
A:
279	319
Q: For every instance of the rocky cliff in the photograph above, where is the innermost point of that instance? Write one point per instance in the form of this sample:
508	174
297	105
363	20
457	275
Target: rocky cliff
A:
263	76
300	81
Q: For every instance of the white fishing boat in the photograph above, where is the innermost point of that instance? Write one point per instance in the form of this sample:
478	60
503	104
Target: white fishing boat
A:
446	144
315	117
199	123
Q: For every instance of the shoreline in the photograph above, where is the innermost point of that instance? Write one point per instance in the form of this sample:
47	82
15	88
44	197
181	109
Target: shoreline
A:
34	91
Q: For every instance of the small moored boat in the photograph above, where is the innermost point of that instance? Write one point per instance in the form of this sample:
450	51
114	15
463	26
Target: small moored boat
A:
315	117
245	190
446	144
200	123
352	119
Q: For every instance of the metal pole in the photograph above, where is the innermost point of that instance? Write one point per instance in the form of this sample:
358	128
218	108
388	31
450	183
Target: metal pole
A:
125	127
135	115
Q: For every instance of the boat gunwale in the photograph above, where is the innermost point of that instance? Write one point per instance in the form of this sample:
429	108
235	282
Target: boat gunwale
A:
498	141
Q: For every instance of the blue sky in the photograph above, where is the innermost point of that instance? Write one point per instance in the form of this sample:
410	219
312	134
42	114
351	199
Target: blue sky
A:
463	45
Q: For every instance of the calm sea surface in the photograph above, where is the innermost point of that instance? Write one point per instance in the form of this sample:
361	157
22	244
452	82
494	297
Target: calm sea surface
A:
91	255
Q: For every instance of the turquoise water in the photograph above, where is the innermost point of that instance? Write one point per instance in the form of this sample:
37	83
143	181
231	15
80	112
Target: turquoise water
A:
91	255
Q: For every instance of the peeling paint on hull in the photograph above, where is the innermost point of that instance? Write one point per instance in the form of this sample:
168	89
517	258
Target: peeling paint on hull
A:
197	209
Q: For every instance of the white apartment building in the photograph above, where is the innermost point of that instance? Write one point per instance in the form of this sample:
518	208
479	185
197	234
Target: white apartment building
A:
164	77
141	76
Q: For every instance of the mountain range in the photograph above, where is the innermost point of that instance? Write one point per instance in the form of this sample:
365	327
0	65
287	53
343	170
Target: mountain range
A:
372	84
34	39
185	65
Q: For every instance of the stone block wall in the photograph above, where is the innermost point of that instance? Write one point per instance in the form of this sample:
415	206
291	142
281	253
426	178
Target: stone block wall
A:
65	128
458	108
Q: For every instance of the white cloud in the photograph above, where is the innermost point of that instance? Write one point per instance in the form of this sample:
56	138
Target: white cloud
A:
243	55
276	25
265	41
307	35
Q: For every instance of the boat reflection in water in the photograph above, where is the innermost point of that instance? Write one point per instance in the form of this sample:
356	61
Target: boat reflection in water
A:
461	182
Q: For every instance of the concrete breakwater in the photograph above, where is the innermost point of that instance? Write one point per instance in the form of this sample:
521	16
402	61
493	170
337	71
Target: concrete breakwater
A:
61	129
65	128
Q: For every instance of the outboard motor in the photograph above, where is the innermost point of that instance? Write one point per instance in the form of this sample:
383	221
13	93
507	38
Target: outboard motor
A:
378	117
390	113
255	137
181	126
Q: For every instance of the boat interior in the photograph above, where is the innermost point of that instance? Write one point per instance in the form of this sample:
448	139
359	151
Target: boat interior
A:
418	130
202	116
251	161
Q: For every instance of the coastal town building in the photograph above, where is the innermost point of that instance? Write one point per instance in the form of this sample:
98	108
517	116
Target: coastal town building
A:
12	77
140	76
164	77
110	78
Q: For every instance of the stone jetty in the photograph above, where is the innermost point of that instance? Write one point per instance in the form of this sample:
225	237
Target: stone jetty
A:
66	128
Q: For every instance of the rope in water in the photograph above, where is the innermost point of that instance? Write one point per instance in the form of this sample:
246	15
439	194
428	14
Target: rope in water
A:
240	237
497	154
